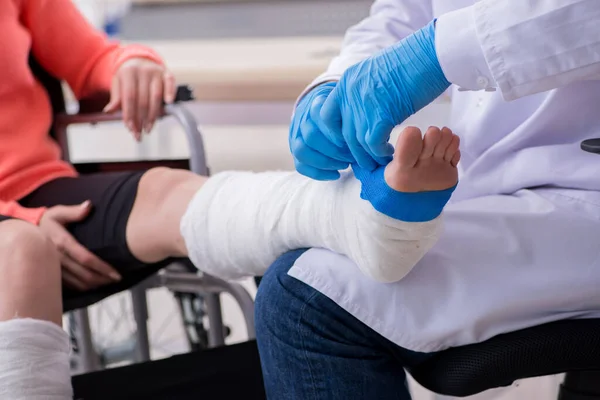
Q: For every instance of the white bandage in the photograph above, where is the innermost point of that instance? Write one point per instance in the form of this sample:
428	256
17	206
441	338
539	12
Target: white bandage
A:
34	361
240	222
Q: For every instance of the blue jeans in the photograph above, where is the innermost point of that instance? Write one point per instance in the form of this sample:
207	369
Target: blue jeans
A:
312	349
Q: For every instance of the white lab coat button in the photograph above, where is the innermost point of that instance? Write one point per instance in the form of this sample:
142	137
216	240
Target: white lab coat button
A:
482	82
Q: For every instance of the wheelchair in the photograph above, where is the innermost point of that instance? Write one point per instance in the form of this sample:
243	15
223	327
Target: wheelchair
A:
197	294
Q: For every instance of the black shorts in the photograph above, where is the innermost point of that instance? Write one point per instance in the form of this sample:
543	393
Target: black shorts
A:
103	231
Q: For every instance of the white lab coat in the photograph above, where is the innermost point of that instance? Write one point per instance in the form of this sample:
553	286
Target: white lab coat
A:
522	233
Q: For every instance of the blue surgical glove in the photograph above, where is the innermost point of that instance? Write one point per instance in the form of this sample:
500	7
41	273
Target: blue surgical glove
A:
314	154
375	95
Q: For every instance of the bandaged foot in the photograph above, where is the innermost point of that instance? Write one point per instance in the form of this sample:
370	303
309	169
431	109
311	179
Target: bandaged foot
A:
34	361
384	221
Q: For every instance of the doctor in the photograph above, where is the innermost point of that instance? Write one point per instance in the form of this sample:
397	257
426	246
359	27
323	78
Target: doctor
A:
523	226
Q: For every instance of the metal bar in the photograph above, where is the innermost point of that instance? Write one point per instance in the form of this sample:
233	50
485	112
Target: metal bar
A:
207	284
190	283
246	304
140	314
216	329
194	137
89	360
123	351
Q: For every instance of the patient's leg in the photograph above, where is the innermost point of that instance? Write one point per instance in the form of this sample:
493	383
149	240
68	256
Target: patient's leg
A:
34	350
240	222
30	271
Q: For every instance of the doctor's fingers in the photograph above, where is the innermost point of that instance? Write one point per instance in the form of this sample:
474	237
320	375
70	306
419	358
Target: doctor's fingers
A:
315	173
351	136
306	155
330	116
334	137
314	138
377	139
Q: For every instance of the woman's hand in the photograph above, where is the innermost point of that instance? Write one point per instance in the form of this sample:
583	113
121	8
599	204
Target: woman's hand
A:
139	88
81	269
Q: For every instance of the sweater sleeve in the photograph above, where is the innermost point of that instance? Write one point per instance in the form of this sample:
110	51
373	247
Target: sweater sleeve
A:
15	210
71	49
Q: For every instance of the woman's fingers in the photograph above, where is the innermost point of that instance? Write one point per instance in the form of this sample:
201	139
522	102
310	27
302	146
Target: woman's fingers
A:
129	95
72	281
85	278
156	102
170	88
140	88
143	101
115	96
86	259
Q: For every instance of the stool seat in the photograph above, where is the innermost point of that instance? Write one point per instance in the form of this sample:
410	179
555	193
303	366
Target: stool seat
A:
558	347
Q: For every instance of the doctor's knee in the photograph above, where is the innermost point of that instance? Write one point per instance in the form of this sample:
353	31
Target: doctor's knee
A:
277	291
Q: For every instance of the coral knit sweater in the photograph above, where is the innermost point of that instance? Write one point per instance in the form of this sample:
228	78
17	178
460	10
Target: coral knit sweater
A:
68	47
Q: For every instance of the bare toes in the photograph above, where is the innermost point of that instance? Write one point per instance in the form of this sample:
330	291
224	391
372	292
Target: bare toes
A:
408	147
443	144
430	141
455	159
452	148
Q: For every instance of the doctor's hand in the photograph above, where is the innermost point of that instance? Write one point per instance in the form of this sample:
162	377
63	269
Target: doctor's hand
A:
139	88
314	154
375	95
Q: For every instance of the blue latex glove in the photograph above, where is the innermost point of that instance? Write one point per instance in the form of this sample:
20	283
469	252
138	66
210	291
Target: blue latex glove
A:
314	154
375	95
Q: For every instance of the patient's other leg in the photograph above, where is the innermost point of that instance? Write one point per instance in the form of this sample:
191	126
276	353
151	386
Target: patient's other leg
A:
34	350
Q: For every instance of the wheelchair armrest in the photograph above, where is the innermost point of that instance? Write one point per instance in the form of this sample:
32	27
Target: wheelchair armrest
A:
591	145
95	103
91	113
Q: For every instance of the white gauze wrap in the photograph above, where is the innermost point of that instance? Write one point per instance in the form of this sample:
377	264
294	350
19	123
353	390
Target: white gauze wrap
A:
240	222
34	361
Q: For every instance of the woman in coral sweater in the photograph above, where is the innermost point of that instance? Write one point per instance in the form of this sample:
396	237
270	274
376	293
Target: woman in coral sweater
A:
55	225
38	188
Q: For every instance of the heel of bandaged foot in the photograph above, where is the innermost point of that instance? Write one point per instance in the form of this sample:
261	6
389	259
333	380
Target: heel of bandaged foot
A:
387	249
403	226
34	361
